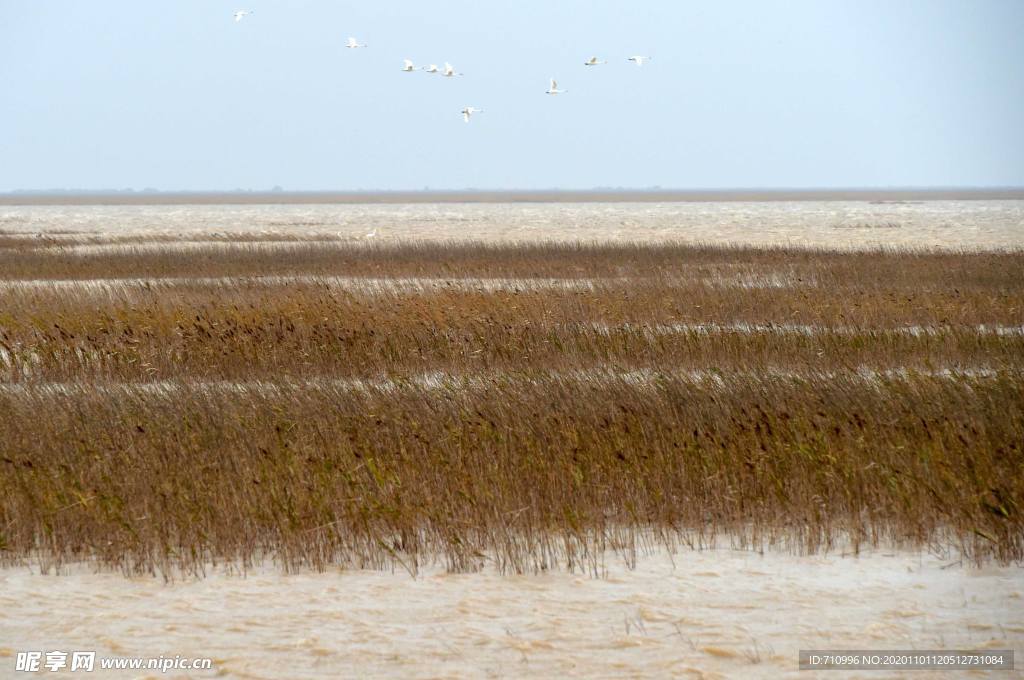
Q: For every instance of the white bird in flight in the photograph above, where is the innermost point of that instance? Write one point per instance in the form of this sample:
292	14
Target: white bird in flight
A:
638	60
554	88
354	44
241	14
409	66
468	112
432	69
593	62
372	234
449	71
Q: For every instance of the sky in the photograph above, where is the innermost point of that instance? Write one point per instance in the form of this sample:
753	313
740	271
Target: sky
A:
112	94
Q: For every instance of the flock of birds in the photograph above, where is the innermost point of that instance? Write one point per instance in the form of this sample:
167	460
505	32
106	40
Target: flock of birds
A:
449	71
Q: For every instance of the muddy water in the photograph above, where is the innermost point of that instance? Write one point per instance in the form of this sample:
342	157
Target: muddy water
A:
951	224
717	613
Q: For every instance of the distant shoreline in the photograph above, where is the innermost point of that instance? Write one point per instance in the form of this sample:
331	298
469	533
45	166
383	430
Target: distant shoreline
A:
595	196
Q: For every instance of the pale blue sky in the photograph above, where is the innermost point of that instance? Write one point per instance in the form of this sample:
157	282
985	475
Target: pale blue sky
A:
806	93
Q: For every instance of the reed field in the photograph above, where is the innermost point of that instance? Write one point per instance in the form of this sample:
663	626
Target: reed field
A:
170	403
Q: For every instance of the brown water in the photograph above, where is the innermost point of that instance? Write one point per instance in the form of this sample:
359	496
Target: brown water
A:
716	613
948	224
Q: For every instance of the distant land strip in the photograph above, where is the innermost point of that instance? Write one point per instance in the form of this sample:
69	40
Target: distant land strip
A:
37	198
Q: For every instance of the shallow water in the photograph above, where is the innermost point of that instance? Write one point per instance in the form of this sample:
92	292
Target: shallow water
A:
720	613
950	224
442	381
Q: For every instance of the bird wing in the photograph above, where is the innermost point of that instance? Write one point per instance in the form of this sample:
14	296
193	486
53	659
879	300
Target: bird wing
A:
408	63
465	116
554	84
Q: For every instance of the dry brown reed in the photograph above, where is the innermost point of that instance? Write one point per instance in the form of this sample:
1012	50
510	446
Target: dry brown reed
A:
853	398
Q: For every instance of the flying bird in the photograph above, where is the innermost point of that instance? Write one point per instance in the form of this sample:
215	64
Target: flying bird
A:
468	112
449	71
432	69
409	66
354	44
241	14
639	61
554	88
593	62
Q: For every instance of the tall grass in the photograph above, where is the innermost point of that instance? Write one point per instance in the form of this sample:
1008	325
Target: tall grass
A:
529	470
860	399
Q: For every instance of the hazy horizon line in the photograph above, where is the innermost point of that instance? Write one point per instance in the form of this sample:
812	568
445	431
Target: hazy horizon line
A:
428	189
151	196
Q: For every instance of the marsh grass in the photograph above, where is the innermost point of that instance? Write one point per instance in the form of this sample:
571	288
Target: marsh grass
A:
530	427
896	269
